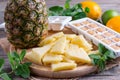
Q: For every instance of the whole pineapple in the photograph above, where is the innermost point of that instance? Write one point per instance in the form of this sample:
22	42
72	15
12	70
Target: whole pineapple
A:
26	22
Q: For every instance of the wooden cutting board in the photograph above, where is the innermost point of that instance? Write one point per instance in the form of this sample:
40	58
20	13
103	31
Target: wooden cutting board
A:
44	71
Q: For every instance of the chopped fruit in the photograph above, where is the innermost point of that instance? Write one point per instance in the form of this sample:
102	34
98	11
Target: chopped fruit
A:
52	58
77	24
77	54
85	22
37	54
84	28
108	34
115	47
116	39
52	38
59	46
70	36
107	41
66	59
93	52
63	66
99	37
100	29
81	42
92	32
93	25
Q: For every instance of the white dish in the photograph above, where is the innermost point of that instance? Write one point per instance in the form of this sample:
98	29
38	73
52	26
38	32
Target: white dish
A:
97	33
57	23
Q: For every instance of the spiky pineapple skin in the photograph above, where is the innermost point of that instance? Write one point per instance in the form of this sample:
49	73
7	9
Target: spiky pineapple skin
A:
26	22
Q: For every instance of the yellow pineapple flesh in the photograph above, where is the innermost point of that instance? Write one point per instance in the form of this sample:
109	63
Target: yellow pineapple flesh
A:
77	54
59	46
63	66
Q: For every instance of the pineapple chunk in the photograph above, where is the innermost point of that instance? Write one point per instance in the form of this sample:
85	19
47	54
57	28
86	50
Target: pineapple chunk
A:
66	59
52	58
51	38
77	54
70	36
59	46
37	54
81	42
63	66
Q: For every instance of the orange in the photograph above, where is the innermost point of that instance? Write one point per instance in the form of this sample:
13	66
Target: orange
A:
95	10
114	23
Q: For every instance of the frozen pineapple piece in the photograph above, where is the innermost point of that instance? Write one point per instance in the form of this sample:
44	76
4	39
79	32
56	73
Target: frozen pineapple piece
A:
51	58
51	38
63	66
70	36
82	43
77	54
37	54
66	59
59	46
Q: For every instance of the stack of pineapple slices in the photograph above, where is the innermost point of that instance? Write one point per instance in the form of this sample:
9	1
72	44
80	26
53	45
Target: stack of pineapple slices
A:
61	52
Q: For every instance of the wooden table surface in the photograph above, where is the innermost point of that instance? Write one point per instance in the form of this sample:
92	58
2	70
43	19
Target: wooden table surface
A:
112	74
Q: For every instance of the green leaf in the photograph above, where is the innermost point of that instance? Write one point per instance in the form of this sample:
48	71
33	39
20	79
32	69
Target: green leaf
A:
23	52
101	65
4	76
10	58
56	9
110	54
102	48
1	64
23	71
67	4
87	10
95	56
28	63
77	6
67	12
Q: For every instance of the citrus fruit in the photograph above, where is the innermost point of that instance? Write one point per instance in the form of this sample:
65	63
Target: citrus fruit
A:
114	23
95	10
108	15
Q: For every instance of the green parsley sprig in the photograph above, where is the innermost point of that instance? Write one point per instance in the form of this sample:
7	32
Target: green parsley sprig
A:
100	59
18	67
75	11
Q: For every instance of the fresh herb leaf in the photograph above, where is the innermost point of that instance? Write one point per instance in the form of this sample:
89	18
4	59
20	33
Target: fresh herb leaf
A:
102	57
18	67
110	54
5	76
56	9
95	56
11	61
67	4
23	71
1	64
76	11
22	54
87	10
102	48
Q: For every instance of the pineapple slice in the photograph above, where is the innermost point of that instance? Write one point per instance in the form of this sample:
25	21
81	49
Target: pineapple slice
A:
59	46
66	59
70	36
81	42
63	66
51	38
77	54
37	54
51	58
